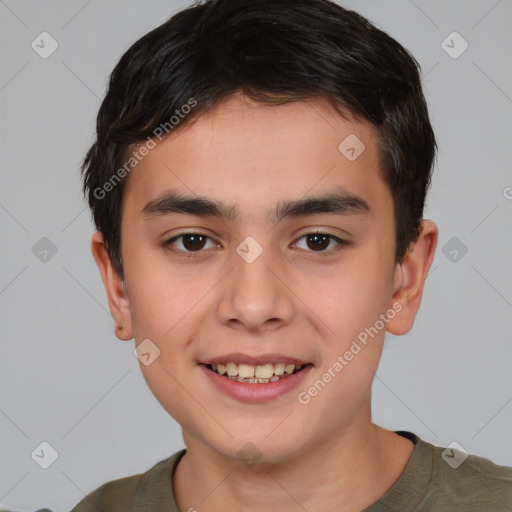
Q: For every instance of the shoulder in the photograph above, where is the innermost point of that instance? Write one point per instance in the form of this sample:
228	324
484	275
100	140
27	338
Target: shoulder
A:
113	496
123	494
470	480
446	479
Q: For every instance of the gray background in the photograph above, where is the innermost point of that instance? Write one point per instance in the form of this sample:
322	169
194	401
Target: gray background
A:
65	379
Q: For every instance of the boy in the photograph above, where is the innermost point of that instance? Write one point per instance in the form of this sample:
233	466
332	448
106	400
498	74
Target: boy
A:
258	184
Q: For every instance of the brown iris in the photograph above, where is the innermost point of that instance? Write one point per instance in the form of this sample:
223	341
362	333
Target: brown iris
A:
319	241
193	242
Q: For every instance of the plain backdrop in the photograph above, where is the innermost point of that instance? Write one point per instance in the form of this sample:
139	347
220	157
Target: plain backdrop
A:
67	381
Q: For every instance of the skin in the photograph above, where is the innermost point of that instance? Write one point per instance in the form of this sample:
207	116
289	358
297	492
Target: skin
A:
291	300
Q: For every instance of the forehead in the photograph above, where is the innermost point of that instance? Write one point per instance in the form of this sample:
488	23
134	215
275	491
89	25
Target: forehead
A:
255	155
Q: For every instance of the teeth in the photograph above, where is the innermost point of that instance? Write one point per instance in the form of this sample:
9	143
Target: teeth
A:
232	369
262	373
279	369
265	371
289	368
246	371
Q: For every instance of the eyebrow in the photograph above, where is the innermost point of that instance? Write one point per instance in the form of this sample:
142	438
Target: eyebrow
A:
337	202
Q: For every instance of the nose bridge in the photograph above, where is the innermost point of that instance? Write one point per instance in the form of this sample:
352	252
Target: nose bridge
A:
252	295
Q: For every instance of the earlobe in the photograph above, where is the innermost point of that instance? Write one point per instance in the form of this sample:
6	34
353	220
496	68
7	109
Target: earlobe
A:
117	298
410	276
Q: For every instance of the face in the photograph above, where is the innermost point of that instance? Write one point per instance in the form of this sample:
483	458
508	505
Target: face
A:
288	260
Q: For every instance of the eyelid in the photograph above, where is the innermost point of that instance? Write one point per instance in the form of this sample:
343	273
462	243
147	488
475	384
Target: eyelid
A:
169	240
340	241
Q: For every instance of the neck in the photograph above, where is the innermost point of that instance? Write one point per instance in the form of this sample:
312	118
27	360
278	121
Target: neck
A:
349	471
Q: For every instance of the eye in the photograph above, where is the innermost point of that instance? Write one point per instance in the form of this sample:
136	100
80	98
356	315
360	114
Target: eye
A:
190	242
319	242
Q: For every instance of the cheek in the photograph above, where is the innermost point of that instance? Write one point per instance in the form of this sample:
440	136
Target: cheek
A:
161	295
161	311
352	296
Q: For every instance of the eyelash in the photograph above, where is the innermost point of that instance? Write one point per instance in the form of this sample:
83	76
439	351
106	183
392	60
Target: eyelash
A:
194	254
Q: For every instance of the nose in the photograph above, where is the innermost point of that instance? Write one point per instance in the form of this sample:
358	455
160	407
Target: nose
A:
255	297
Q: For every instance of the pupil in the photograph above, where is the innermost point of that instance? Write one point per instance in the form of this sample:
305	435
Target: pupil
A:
193	241
319	241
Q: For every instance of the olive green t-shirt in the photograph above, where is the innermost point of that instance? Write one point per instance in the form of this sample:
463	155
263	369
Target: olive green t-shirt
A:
435	480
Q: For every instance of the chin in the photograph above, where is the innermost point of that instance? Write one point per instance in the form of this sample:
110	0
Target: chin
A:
257	448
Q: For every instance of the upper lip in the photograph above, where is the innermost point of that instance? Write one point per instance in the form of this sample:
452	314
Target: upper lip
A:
255	360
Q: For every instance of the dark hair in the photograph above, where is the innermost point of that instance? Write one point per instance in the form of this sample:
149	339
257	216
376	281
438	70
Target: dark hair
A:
273	51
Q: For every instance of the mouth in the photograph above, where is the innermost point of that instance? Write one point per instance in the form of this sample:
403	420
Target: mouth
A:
256	374
256	378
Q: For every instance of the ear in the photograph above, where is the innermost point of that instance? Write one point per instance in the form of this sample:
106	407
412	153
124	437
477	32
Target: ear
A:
409	278
117	298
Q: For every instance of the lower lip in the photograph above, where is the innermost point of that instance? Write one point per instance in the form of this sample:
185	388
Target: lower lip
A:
256	393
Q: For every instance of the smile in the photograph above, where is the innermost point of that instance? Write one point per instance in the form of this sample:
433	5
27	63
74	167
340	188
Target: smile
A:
255	374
